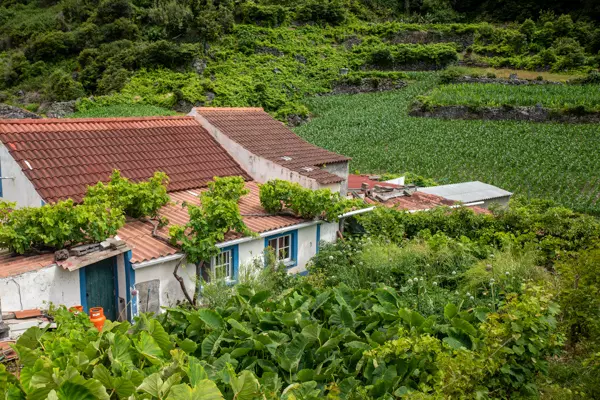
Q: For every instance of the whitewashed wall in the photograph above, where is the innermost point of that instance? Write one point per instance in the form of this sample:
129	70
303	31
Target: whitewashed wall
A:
36	289
170	291
19	189
329	231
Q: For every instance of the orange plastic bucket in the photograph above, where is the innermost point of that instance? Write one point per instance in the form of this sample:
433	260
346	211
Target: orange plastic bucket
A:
97	317
76	309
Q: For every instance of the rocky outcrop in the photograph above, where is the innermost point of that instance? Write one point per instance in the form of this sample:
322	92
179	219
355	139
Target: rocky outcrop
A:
366	85
11	112
529	114
59	109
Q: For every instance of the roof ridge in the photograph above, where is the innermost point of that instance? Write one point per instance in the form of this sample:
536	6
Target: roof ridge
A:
230	109
88	120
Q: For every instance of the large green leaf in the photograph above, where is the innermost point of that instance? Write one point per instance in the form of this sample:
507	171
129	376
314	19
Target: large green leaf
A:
103	375
260	297
210	344
123	387
450	311
464	326
31	338
160	336
347	316
120	351
204	390
245	386
148	347
195	371
211	318
187	345
152	385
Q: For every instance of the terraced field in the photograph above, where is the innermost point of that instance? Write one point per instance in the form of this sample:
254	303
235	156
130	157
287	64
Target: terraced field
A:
555	161
495	95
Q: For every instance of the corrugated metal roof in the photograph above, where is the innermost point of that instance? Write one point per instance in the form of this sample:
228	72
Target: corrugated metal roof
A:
261	134
467	192
61	157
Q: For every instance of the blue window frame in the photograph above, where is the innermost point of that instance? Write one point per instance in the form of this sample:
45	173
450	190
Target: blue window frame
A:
285	246
226	263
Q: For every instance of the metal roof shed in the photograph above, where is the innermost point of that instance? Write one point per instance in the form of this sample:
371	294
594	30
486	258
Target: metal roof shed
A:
470	192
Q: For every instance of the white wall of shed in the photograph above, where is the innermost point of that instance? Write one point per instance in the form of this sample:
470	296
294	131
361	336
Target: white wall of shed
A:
170	290
36	289
19	189
259	168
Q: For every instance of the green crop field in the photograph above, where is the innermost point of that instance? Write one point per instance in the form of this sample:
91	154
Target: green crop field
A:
495	95
554	161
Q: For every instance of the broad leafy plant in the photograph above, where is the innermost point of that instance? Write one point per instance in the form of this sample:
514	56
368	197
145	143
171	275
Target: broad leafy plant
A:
277	196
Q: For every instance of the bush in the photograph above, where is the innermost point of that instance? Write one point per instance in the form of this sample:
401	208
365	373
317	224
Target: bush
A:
330	12
122	28
50	46
111	10
62	87
264	15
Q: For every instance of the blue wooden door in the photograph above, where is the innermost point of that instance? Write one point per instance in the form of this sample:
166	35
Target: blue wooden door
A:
100	287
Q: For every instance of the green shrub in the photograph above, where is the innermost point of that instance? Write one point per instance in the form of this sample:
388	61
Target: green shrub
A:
111	10
122	28
51	46
62	87
330	12
264	15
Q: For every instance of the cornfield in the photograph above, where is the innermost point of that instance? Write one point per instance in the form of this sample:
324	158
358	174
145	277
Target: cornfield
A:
496	95
555	161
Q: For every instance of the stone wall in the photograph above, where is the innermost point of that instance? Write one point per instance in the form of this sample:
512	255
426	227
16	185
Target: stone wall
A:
366	85
11	112
530	114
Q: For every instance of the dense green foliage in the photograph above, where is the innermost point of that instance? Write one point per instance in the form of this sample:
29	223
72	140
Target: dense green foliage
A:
559	97
99	216
125	110
303	346
552	161
180	53
217	214
277	196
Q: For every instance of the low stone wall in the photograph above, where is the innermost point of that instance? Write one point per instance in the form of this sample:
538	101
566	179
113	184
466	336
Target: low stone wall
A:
426	37
529	114
366	85
11	112
504	81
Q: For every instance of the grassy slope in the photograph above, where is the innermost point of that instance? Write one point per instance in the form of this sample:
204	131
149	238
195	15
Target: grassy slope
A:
125	110
543	160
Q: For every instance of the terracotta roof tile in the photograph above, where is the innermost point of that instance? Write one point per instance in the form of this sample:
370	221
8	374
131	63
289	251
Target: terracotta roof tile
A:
138	235
356	181
62	157
257	131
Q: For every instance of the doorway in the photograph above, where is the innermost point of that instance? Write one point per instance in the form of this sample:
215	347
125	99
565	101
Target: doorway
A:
99	287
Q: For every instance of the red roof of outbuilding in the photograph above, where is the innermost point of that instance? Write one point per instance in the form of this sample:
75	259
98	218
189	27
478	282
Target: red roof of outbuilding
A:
61	157
355	182
259	133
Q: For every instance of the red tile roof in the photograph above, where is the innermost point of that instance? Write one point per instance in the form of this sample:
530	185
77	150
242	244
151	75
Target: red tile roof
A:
355	182
11	265
144	247
258	132
61	157
138	235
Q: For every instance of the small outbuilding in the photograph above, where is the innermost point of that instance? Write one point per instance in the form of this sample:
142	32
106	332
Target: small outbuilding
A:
471	192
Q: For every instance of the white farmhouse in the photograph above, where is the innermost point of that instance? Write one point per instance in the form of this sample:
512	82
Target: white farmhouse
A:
47	160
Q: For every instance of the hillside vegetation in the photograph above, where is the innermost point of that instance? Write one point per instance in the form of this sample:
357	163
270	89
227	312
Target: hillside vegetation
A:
177	53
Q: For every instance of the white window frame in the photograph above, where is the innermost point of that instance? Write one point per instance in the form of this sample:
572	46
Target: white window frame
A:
227	265
277	248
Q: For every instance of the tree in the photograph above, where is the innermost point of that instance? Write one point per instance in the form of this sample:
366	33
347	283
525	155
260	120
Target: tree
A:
217	214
